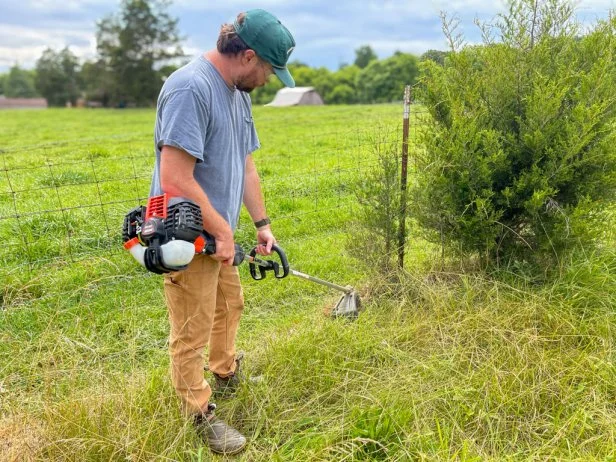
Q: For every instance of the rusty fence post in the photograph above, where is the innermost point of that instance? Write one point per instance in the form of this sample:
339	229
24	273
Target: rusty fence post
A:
404	175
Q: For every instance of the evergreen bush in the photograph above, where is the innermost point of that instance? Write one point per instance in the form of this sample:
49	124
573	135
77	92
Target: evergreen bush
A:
374	232
519	155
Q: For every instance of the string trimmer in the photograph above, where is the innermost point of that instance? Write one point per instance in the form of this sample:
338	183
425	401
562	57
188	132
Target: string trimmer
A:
349	304
165	236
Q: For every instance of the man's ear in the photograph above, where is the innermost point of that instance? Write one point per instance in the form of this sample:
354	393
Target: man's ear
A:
248	56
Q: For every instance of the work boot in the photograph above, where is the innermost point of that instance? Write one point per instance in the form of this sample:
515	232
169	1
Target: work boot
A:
227	386
220	437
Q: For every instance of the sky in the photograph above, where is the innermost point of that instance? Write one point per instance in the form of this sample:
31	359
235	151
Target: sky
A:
327	32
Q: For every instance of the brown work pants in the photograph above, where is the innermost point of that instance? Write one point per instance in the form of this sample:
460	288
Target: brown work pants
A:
205	303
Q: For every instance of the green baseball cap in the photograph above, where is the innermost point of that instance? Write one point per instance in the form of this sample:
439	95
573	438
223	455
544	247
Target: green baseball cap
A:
265	34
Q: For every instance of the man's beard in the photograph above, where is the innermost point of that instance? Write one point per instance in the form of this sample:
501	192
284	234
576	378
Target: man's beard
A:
243	88
244	84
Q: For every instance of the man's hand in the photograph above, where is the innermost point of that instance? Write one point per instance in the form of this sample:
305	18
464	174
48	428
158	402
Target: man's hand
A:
225	247
265	240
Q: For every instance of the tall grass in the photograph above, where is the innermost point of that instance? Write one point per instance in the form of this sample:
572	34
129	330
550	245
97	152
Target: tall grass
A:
442	364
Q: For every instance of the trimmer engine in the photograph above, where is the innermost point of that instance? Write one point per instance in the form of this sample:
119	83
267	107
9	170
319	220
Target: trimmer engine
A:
164	235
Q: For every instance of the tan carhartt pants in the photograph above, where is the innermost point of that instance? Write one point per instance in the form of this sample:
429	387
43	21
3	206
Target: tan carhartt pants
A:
205	303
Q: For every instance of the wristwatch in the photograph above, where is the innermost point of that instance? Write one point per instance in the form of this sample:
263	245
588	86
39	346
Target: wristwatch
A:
260	223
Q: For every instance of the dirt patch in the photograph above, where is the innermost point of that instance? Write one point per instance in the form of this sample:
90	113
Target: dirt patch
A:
20	440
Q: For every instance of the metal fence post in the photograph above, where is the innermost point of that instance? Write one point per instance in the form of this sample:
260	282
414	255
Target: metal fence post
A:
403	175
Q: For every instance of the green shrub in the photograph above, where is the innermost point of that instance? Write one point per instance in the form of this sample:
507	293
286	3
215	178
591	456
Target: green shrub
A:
520	148
374	231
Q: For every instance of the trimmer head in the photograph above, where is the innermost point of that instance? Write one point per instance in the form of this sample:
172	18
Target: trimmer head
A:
348	306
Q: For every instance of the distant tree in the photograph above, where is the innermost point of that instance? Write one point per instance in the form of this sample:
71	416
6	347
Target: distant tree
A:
133	44
343	90
434	55
341	94
2	80
19	83
384	81
57	77
364	55
323	82
305	76
166	71
346	75
96	81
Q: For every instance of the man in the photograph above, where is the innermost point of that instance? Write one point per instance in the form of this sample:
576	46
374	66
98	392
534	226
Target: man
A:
204	138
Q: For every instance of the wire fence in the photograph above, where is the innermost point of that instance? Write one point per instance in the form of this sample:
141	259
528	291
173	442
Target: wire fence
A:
65	199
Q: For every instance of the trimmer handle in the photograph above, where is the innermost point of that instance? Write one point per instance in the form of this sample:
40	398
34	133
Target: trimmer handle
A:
281	270
210	249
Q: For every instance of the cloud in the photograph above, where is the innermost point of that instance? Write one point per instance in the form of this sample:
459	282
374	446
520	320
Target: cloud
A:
239	5
24	45
327	32
596	5
65	5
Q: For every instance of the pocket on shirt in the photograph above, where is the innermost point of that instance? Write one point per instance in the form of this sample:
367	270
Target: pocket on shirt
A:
249	135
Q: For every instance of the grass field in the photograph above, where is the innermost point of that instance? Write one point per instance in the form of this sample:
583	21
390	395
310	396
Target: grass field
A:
443	363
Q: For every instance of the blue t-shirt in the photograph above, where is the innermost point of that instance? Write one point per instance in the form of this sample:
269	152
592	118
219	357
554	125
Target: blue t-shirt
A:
198	113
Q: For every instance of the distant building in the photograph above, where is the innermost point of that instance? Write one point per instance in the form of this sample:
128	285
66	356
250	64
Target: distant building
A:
298	96
22	103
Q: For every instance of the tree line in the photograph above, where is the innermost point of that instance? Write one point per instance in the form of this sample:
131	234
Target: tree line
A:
367	80
140	45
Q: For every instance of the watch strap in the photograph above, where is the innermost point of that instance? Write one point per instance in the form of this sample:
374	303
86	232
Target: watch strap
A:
260	223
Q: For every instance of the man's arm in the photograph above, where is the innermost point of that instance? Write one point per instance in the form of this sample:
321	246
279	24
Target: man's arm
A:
177	179
253	200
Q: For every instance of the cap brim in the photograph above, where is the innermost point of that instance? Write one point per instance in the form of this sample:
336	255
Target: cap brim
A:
285	77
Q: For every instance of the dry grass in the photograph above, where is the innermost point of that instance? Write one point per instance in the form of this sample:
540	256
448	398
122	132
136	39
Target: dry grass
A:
21	439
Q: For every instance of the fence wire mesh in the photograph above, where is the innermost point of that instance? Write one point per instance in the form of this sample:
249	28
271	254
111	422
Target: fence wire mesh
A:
65	199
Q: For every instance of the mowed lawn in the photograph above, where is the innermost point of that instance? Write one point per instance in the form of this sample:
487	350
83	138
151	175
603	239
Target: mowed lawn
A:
442	364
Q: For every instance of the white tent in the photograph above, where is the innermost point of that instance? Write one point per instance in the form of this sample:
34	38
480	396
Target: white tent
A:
298	96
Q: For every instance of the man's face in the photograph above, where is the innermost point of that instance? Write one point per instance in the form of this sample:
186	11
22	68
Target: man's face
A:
255	76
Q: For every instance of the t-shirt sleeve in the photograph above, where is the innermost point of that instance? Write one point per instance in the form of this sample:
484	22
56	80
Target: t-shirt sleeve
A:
183	121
